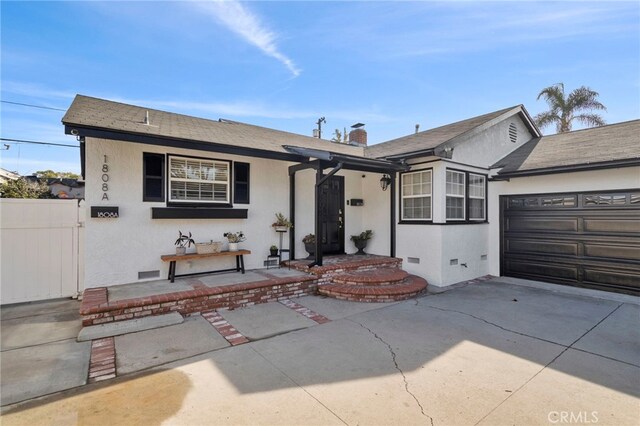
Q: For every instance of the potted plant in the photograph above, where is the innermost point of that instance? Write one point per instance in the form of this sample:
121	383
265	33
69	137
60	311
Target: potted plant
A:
234	238
274	250
282	224
309	241
360	241
183	242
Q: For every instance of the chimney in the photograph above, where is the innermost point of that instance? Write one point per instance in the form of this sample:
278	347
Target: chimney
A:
358	136
316	133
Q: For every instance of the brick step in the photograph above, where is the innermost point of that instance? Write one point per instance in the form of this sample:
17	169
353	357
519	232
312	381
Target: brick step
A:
406	289
375	277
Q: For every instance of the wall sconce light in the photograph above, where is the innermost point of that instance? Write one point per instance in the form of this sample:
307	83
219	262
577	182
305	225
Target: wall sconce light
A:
448	152
385	181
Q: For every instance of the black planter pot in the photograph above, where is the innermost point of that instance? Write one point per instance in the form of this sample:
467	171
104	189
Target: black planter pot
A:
311	249
274	252
360	245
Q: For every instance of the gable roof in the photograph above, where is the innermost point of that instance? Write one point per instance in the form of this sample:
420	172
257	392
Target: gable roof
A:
94	113
614	144
434	139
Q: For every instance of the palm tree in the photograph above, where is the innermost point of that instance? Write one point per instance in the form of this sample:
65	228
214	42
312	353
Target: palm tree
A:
564	110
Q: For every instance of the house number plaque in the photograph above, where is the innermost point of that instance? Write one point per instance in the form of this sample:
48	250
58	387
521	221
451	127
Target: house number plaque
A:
105	180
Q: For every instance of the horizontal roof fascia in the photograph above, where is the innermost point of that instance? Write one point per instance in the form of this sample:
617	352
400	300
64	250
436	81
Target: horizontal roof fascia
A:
99	133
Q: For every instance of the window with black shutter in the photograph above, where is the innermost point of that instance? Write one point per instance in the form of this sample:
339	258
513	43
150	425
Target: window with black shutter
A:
241	183
153	177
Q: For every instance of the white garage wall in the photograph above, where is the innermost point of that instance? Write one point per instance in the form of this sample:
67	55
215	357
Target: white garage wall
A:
597	180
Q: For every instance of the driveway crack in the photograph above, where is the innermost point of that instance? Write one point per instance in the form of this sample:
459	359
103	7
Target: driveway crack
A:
397	367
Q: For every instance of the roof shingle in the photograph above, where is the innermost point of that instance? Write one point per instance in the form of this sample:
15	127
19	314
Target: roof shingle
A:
116	116
620	141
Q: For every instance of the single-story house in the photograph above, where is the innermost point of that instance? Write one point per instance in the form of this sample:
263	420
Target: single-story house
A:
485	195
7	175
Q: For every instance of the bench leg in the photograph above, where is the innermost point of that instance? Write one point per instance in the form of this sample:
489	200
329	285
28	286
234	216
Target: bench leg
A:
238	263
172	271
242	262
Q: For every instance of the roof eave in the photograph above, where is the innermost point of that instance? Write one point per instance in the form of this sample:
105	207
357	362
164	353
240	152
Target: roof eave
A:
629	162
103	133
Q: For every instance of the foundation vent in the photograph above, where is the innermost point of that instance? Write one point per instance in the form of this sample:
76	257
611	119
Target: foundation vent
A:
483	257
143	275
413	260
453	262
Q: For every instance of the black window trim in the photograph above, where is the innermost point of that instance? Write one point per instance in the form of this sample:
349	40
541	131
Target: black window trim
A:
145	197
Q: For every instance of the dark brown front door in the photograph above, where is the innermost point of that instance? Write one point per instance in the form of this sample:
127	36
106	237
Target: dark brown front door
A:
331	211
589	239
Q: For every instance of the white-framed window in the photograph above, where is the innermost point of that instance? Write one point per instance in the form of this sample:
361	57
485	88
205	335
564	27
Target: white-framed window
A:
455	202
416	195
477	196
197	180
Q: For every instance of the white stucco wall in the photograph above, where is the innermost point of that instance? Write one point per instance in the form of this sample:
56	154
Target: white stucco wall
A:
373	215
597	180
485	148
436	245
117	249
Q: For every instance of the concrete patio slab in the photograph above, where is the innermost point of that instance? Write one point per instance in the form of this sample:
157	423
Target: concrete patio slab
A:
40	370
557	317
50	325
21	310
129	326
617	337
145	289
269	319
145	349
187	393
336	309
562	390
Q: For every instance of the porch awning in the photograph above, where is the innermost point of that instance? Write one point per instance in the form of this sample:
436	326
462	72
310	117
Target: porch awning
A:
350	162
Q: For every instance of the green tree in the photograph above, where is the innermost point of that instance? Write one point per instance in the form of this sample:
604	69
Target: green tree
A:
44	174
337	136
578	105
21	188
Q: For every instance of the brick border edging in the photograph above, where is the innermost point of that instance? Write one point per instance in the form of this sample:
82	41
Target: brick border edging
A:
102	364
303	310
199	300
222	326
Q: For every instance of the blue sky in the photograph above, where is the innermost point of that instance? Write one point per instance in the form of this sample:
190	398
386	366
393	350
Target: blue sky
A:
390	65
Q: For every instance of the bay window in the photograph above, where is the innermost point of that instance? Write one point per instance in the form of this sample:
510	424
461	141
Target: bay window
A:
416	195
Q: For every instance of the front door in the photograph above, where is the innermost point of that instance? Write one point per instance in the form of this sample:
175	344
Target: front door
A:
331	211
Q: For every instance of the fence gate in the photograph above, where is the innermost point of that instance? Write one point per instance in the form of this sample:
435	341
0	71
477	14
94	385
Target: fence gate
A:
39	249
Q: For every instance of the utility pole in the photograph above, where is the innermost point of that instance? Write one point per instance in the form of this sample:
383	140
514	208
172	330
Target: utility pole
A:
319	123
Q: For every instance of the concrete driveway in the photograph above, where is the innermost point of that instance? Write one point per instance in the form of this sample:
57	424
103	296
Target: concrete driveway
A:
491	353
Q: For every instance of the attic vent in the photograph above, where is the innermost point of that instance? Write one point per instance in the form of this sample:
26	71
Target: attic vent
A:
513	132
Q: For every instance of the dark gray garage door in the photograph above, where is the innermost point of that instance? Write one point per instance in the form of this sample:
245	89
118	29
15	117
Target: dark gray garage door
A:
582	239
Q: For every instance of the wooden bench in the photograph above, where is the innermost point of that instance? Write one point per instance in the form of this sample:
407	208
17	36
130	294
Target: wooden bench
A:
173	258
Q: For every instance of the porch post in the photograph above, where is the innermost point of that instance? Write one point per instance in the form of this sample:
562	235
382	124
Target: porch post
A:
318	226
392	214
292	216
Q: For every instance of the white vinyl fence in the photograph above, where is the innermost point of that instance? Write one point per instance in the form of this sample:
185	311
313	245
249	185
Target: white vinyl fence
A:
40	249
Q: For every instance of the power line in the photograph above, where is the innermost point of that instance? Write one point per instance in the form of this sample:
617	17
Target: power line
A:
33	106
38	142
